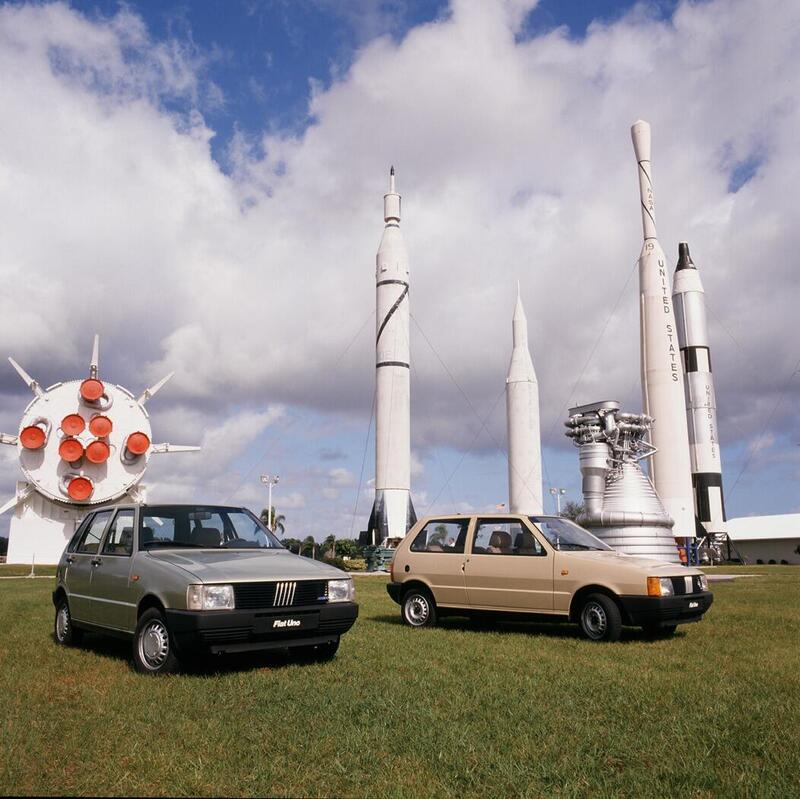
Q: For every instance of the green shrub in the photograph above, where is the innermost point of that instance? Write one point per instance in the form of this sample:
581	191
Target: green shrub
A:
355	564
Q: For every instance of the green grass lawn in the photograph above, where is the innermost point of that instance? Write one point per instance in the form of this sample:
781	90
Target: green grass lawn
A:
515	710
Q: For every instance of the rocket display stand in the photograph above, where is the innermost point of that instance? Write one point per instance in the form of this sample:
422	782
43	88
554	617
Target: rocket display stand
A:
82	444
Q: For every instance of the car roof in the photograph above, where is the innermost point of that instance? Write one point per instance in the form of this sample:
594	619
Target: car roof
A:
492	515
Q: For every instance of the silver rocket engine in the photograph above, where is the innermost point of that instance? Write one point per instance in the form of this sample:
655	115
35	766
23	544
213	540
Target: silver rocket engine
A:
662	373
688	298
621	506
392	514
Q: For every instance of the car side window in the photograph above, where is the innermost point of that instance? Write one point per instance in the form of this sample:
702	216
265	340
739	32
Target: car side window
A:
73	544
90	541
119	540
505	537
442	535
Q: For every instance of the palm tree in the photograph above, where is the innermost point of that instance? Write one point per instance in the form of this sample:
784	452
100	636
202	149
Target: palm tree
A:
309	544
276	523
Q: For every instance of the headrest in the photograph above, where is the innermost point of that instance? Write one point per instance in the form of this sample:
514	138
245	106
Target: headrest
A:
206	537
525	540
147	535
501	539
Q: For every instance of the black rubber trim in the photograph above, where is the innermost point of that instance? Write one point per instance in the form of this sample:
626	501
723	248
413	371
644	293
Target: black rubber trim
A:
392	363
665	611
403	295
392	282
394	590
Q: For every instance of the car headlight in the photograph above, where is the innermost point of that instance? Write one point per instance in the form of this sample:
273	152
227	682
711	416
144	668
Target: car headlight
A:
210	597
659	586
703	581
341	591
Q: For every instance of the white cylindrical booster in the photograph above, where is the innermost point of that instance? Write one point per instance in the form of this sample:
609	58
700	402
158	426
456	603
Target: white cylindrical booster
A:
701	407
662	372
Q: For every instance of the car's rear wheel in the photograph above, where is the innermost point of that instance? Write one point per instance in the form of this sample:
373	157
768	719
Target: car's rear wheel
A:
65	631
600	619
418	608
153	645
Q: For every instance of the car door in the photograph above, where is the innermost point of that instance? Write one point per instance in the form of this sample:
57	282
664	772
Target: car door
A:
507	567
437	555
80	568
112	588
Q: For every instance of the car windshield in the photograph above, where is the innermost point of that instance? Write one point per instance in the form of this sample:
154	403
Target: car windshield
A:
204	527
566	535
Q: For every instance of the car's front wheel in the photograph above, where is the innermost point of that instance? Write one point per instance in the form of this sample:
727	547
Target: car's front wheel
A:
153	646
600	618
66	633
418	608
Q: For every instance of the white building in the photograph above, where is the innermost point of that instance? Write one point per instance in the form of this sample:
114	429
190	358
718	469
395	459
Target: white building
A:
767	539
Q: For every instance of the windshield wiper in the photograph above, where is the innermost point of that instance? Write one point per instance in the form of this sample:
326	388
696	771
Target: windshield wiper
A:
175	544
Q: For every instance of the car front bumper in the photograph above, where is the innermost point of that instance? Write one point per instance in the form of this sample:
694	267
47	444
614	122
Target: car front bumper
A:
220	631
665	611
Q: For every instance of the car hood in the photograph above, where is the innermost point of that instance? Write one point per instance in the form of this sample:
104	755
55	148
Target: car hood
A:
237	565
658	568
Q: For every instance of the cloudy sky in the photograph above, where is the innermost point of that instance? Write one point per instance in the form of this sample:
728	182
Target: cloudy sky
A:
201	183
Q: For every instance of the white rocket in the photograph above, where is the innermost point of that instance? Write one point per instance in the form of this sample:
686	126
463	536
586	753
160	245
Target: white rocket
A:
662	373
522	418
392	514
701	407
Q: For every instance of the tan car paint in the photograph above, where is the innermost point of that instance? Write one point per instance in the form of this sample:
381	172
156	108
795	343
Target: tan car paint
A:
540	584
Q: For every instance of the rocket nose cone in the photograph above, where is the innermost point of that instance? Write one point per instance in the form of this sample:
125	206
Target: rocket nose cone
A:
684	259
640	135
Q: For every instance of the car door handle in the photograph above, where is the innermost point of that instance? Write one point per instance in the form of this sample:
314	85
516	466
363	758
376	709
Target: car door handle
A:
96	561
70	559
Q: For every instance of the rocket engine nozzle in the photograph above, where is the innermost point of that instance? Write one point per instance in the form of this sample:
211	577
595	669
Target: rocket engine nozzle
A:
73	424
98	451
100	425
34	436
92	389
137	444
70	450
80	488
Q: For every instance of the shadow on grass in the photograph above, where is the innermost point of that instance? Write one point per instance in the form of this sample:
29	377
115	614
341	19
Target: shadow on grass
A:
198	664
479	625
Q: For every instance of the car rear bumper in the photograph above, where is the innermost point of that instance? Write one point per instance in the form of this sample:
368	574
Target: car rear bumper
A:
394	590
665	611
248	630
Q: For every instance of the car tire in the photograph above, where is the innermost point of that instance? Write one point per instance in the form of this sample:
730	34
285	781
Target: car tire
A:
600	619
319	652
656	631
153	645
65	632
417	608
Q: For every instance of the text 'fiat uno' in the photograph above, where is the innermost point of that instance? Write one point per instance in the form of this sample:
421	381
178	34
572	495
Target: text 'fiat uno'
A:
545	566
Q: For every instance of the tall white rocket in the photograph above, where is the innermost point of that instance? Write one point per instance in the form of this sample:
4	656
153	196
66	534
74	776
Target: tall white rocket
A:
701	406
662	373
393	513
522	418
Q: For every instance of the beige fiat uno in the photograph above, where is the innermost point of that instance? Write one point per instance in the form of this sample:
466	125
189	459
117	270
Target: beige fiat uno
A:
543	566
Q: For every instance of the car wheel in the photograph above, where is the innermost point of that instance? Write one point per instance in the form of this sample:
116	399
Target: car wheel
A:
319	652
655	631
418	608
66	633
153	646
600	619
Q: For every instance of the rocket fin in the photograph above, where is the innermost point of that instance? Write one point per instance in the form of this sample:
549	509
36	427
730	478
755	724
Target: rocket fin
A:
95	362
12	503
160	449
32	384
149	392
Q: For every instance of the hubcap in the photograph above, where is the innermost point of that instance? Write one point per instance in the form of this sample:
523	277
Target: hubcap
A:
594	620
154	644
417	610
62	623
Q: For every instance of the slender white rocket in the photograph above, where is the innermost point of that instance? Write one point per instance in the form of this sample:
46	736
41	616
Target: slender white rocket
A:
522	418
662	373
393	513
701	407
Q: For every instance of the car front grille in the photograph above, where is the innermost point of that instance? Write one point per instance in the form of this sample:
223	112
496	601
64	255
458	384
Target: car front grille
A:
284	594
686	585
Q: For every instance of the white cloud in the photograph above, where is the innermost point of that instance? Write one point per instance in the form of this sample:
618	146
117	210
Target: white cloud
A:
514	161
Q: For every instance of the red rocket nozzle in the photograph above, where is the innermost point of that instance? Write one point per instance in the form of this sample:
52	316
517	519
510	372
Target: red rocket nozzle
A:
92	389
137	443
71	450
100	425
32	437
72	424
98	452
80	488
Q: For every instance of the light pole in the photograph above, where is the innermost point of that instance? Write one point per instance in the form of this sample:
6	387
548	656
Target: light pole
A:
558	493
269	481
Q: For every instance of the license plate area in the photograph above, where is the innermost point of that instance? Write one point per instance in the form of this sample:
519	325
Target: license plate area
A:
286	623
